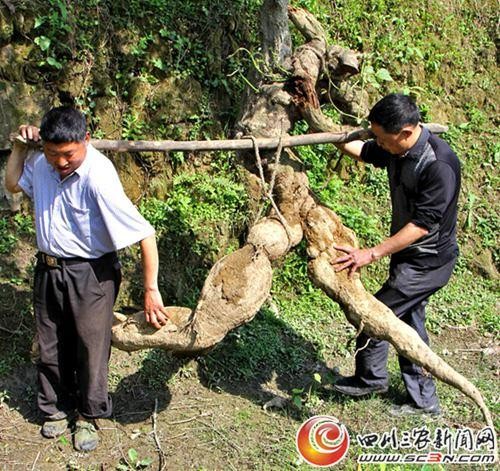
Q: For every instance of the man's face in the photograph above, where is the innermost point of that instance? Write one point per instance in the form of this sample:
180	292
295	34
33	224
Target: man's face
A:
396	144
66	157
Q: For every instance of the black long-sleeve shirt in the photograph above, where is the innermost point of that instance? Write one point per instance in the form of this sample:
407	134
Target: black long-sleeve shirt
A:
424	185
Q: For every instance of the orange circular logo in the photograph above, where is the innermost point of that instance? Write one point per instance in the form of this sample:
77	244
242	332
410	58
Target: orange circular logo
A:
322	440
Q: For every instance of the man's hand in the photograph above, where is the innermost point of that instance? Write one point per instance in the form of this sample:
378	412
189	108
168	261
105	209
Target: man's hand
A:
155	312
15	162
29	132
353	260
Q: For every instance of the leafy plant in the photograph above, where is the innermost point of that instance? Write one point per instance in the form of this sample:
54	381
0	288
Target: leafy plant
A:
133	462
196	201
54	28
7	238
24	223
306	397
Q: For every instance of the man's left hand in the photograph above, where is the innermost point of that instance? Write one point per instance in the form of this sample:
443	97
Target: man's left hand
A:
155	312
353	260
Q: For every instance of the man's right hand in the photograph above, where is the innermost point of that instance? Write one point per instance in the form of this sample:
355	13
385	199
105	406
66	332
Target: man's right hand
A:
29	132
20	150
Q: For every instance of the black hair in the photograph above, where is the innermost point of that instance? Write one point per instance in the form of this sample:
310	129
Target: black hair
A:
63	124
394	112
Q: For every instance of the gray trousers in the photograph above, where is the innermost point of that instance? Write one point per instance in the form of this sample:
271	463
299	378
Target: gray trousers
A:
406	293
73	306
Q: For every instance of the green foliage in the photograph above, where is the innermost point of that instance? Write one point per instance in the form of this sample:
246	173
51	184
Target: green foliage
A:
476	142
11	228
148	38
52	31
133	126
133	462
197	200
307	397
194	226
24	224
409	44
7	239
18	351
468	300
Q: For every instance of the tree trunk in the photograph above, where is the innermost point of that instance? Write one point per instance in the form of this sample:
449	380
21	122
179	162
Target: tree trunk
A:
276	40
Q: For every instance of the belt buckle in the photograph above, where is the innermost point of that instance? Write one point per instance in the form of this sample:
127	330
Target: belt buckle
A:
51	261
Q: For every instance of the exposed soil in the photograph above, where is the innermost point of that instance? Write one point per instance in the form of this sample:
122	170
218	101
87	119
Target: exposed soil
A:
202	424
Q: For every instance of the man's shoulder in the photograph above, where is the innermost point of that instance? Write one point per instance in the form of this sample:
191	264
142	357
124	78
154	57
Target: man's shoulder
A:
444	154
100	165
36	157
36	164
441	148
101	171
372	153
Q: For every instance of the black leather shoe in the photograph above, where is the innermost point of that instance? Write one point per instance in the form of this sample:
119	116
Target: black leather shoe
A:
411	409
352	386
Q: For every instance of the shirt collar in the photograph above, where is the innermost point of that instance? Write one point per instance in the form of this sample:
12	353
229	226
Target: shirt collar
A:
417	149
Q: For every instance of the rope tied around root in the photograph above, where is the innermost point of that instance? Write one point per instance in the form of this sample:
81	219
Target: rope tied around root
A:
269	193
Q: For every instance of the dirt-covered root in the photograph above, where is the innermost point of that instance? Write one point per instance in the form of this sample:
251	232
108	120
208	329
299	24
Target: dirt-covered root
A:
365	312
132	333
233	292
271	236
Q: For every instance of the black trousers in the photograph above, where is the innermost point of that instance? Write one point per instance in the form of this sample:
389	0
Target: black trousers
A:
406	293
73	306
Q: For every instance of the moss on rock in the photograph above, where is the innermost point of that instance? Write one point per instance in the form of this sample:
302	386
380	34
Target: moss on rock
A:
6	25
20	103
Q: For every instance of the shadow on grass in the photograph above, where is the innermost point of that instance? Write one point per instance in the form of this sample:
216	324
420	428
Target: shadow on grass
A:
262	359
257	361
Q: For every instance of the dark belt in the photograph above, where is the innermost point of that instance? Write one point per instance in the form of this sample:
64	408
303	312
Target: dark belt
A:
59	262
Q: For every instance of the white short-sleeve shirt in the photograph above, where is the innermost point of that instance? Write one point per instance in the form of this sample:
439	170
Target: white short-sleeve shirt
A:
87	214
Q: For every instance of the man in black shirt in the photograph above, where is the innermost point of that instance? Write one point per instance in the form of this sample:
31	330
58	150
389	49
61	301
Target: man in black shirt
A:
424	179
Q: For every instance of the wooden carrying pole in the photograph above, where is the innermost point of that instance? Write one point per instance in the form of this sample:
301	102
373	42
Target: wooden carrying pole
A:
244	143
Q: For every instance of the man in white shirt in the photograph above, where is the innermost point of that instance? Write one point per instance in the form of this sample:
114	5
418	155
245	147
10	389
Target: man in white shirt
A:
82	217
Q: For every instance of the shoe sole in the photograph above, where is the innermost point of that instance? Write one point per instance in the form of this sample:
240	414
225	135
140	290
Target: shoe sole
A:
416	413
88	442
86	450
